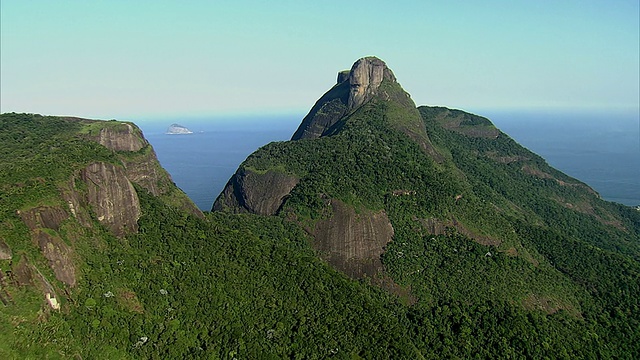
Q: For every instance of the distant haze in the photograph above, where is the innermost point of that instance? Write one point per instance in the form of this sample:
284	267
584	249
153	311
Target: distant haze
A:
602	150
129	59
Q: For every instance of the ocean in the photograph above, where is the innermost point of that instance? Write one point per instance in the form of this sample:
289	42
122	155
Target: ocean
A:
201	163
601	150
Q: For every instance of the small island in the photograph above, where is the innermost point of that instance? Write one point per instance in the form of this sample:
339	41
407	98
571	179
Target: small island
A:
176	129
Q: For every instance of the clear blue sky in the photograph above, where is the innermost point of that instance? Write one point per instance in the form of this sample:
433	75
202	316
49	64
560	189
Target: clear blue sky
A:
128	59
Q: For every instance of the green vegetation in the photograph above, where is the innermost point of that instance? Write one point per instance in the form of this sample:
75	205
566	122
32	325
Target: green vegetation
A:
530	262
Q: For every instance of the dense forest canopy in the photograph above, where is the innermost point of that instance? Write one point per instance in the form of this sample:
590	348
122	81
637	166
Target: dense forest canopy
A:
493	252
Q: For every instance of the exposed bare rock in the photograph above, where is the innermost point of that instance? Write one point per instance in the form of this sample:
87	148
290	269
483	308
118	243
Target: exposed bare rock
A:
144	168
5	251
43	217
438	227
369	79
343	75
258	193
354	88
146	172
76	203
325	113
351	242
123	137
112	197
22	273
59	255
364	80
177	129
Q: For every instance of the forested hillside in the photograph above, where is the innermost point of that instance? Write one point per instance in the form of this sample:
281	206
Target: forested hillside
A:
478	221
384	231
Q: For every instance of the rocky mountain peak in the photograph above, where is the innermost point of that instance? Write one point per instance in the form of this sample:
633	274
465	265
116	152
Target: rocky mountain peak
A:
369	79
354	88
365	78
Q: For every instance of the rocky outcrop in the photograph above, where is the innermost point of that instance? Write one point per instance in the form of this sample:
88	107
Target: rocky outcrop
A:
146	171
22	272
76	202
112	197
364	80
44	222
59	255
353	242
5	251
257	193
354	88
326	112
123	137
369	79
343	75
43	217
144	168
176	129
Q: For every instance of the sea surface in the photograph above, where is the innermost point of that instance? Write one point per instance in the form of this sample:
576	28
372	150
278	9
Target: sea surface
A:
600	149
201	163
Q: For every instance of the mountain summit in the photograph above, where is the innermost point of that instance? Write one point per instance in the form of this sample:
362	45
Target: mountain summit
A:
353	89
385	232
368	81
439	206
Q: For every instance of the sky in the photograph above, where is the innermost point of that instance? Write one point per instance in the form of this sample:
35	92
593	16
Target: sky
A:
135	59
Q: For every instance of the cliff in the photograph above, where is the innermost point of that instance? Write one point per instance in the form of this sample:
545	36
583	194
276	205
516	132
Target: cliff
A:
365	241
368	85
255	192
391	192
137	160
369	80
72	178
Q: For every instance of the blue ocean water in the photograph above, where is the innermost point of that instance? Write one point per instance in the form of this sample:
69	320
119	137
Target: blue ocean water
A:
602	150
201	163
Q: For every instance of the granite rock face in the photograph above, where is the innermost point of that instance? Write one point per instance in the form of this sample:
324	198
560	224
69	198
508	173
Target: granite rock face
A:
257	193
43	217
124	137
112	197
353	242
143	168
354	88
365	78
44	222
326	112
59	254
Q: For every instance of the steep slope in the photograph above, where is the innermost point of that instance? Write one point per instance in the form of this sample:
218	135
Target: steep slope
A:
475	218
100	258
66	177
492	252
68	186
369	81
